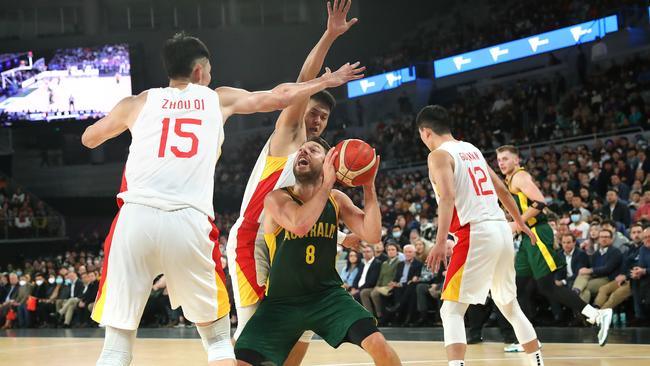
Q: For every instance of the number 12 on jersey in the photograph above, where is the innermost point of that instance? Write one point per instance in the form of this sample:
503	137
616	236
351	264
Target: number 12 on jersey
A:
482	179
178	130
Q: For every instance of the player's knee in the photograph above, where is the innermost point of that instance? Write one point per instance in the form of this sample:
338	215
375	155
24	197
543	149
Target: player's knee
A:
216	340
244	314
452	311
376	345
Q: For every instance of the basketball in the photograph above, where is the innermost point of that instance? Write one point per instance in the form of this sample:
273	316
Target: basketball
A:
356	163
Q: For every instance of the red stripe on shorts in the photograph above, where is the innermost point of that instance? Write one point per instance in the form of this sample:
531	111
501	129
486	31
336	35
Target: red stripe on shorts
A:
107	251
216	252
459	255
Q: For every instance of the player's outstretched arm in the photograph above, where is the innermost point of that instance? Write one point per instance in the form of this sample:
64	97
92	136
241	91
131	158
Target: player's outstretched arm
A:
441	173
120	118
240	101
291	119
509	203
523	181
296	218
365	223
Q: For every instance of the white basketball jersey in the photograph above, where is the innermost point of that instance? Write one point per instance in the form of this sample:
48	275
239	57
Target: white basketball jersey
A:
476	198
176	143
269	173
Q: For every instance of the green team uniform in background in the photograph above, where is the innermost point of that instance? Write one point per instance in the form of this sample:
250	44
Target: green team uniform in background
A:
304	291
540	259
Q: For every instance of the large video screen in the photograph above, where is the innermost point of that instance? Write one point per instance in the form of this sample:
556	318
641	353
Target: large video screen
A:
72	83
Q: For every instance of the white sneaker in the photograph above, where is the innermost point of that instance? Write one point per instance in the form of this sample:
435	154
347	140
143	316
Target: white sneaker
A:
603	321
514	347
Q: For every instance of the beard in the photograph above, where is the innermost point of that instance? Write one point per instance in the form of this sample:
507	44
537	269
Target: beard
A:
308	177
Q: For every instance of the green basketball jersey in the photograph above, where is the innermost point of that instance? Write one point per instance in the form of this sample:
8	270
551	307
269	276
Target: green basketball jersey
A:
304	265
523	203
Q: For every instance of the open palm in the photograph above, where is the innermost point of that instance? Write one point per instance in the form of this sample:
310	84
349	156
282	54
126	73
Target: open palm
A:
336	17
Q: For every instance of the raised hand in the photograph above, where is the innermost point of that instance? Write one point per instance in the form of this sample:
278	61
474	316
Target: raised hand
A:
329	173
336	17
344	74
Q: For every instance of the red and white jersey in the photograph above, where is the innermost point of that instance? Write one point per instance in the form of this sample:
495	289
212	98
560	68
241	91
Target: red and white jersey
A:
476	198
176	143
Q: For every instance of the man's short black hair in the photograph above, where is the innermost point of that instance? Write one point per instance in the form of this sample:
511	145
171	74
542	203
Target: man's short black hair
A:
180	53
325	98
321	141
436	118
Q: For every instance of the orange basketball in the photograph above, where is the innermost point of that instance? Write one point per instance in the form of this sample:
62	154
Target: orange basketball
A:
356	163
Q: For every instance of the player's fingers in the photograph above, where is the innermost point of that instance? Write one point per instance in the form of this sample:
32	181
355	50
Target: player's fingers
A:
347	6
327	70
355	65
329	8
336	5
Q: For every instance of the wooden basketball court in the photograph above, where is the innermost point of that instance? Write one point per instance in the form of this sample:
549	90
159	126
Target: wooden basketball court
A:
23	351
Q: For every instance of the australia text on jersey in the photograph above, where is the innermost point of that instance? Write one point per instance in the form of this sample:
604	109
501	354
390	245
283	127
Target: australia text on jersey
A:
319	230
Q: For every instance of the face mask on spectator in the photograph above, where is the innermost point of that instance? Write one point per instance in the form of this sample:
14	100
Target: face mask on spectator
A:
51	280
22	282
548	200
19	273
575	218
68	282
59	280
397	234
39	282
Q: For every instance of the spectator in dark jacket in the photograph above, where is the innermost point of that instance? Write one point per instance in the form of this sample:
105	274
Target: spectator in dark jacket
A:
606	263
407	276
368	273
641	281
616	210
575	258
619	289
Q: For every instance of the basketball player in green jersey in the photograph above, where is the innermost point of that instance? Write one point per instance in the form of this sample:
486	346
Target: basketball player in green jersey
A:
304	291
540	261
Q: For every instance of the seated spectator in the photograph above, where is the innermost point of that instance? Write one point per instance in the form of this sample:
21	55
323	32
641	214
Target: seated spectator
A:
640	281
380	253
575	258
349	272
9	295
605	265
643	212
618	290
373	300
77	289
407	275
590	245
429	287
619	239
578	204
578	226
368	273
87	299
616	210
622	188
420	250
24	292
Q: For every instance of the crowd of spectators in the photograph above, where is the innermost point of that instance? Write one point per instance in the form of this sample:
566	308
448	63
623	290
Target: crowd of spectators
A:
23	215
506	21
108	59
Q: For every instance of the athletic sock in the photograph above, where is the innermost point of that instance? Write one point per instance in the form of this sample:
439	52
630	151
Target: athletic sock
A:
536	358
457	363
591	313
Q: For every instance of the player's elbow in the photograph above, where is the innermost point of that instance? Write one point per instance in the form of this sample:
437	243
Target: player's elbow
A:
283	96
88	140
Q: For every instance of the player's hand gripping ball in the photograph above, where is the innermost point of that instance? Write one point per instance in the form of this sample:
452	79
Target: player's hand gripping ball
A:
356	163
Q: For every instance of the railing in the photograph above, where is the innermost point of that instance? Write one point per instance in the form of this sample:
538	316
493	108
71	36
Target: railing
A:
406	164
39	227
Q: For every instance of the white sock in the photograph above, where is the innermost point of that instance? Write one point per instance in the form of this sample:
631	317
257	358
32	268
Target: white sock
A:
118	347
536	358
457	363
591	313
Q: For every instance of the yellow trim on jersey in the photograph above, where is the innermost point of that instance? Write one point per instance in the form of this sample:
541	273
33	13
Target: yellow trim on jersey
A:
272	165
247	296
293	195
223	302
271	243
98	310
452	291
509	181
336	207
545	253
523	201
